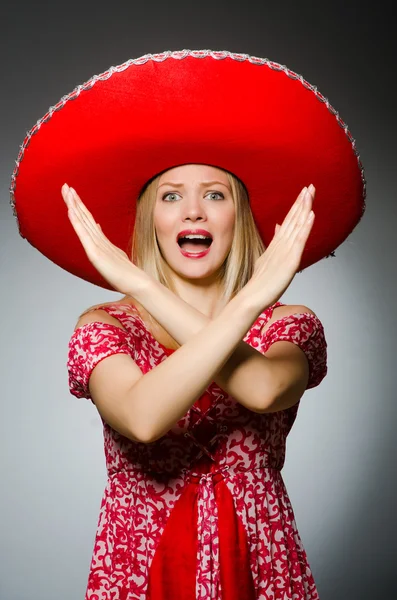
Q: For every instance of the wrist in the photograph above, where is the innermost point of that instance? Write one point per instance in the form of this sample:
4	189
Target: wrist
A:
142	288
248	298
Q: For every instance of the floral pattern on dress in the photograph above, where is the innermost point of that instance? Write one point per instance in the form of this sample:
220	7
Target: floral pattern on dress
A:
202	512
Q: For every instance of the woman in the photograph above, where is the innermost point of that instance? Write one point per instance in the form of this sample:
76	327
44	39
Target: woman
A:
205	367
145	408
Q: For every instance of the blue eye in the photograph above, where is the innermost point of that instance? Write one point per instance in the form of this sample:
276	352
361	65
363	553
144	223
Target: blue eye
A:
169	194
173	194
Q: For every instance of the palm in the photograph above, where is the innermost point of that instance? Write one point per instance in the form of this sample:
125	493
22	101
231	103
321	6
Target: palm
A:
109	260
277	266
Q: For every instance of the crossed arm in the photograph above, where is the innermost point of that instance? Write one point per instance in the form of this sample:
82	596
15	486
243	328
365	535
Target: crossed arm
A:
260	383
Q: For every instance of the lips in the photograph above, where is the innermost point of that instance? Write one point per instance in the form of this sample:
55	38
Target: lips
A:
194	231
196	254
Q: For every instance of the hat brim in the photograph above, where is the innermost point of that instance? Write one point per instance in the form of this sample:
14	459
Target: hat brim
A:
250	116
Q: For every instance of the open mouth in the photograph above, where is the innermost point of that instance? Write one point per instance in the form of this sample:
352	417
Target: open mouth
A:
194	245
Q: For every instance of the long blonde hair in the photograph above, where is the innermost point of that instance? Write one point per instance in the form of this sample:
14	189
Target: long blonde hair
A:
238	266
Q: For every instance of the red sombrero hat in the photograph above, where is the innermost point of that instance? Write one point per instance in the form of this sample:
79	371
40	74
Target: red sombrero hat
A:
248	115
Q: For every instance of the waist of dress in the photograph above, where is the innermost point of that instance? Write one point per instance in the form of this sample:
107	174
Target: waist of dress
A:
215	474
222	472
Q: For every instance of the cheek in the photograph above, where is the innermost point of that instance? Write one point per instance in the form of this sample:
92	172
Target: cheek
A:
163	224
227	223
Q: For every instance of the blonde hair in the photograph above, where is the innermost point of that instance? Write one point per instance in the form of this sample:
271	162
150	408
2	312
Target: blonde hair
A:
238	266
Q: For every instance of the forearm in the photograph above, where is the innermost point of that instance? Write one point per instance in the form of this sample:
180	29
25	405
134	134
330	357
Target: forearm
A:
166	392
246	375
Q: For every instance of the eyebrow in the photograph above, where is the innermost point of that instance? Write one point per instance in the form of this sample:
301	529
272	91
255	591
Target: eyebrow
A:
204	183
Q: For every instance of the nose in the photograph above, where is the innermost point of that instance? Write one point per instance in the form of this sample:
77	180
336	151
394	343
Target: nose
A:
193	208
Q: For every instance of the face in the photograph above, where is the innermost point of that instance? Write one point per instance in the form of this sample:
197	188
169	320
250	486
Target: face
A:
194	197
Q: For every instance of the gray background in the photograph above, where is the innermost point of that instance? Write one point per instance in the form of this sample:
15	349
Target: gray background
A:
339	470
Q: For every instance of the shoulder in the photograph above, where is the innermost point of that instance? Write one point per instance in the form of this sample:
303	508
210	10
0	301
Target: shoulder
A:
285	311
95	314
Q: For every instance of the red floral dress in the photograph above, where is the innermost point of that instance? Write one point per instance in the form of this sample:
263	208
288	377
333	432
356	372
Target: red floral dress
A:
202	512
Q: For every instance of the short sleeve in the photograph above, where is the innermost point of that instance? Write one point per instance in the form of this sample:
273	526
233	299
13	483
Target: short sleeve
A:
306	331
90	344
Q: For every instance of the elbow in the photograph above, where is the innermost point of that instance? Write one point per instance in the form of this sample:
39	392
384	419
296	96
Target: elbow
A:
143	437
146	435
137	433
287	389
284	400
133	435
152	437
149	439
266	406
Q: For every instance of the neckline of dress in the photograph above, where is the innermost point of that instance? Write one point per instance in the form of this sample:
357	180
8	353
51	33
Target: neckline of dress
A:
137	314
167	350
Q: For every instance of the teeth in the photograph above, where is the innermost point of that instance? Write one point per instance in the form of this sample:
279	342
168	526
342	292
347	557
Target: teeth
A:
195	237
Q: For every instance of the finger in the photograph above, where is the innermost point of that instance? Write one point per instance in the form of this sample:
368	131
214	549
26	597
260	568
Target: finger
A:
66	196
88	241
294	210
296	205
92	227
79	224
299	217
295	240
299	237
85	215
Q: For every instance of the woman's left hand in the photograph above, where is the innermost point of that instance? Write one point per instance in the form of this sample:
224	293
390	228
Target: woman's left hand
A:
111	262
276	267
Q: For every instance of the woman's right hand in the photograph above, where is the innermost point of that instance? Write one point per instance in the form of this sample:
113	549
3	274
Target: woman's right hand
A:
277	266
109	260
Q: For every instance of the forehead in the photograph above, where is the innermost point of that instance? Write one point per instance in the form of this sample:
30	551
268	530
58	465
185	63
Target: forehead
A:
192	172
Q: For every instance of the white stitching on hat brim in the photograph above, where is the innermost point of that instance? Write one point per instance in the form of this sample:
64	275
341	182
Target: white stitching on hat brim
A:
179	55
